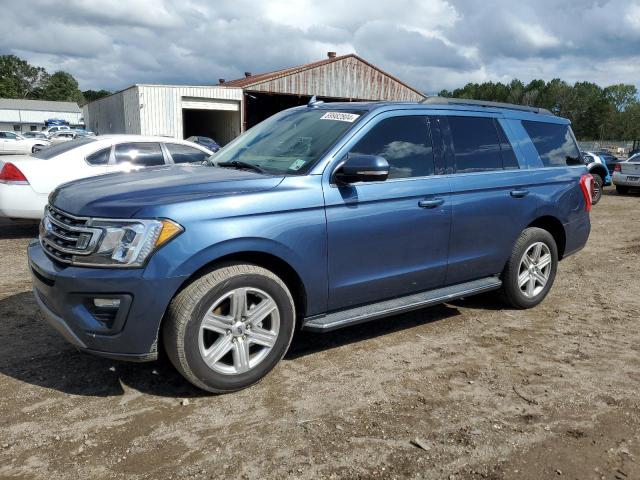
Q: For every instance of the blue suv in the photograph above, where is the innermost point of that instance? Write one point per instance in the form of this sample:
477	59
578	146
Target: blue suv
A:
320	217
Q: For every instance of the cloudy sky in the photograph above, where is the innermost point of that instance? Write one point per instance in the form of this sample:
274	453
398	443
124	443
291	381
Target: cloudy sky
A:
430	44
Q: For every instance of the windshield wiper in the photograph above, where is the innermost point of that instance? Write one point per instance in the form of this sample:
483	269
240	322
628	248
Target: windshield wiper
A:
241	165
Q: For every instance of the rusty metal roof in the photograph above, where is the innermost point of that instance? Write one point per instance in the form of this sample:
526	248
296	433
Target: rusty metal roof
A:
377	84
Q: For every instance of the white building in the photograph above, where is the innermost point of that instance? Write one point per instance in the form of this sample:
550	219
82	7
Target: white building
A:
175	111
223	111
20	115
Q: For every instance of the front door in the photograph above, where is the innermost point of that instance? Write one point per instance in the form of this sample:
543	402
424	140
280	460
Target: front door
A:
389	238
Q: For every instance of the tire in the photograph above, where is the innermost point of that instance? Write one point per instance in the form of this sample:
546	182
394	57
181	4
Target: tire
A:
598	184
218	357
622	190
520	295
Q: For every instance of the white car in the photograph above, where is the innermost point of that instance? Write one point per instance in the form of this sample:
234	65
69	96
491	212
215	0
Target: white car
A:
11	142
62	136
627	174
35	134
27	180
56	128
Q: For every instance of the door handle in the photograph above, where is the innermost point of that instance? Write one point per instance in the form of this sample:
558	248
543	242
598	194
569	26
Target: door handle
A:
433	203
519	193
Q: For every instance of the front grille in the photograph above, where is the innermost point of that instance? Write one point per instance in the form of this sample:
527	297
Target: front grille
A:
63	235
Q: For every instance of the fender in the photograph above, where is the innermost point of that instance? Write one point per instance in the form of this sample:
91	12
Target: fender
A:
314	279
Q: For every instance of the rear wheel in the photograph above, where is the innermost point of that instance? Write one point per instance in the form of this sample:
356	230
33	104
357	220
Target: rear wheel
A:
531	269
621	189
598	183
229	328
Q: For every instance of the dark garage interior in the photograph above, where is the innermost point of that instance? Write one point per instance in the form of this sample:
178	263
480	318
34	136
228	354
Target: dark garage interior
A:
260	106
221	125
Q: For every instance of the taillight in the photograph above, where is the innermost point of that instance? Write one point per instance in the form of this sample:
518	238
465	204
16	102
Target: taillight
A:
617	168
586	185
12	174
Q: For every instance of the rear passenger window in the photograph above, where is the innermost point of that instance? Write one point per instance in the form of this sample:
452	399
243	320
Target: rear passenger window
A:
145	154
404	142
185	153
101	157
554	143
476	144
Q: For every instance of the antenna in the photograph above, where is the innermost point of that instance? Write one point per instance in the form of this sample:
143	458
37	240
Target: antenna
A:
314	102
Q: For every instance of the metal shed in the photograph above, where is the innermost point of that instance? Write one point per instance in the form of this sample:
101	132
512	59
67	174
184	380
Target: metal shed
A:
222	111
171	110
336	78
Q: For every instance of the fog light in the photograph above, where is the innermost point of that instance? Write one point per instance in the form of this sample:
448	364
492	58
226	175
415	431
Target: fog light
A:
106	302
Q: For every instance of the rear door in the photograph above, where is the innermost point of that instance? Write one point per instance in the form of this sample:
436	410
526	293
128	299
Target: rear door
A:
491	201
388	238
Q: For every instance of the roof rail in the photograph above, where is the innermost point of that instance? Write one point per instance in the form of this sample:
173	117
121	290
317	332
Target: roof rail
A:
483	103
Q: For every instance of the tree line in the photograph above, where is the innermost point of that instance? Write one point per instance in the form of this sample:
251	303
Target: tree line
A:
19	79
596	113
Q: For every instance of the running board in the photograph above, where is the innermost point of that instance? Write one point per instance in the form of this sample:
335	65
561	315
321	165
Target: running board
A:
343	318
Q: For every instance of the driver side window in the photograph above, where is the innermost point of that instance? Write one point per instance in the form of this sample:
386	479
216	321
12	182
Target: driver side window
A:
404	142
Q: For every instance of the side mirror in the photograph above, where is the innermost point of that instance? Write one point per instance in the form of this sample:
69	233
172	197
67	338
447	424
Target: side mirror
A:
358	167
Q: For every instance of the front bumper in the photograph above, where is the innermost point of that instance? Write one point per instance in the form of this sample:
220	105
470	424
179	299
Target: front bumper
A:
65	295
623	179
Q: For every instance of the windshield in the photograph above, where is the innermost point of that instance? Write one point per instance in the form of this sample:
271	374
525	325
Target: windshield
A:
290	142
56	150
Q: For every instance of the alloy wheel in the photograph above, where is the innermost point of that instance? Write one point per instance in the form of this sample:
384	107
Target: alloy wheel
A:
239	330
535	269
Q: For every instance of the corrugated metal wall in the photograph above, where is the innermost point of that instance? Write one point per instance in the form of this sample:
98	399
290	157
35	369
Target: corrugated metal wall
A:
161	106
347	78
117	113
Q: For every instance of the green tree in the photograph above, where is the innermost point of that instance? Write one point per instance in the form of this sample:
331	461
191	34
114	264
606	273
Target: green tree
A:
61	86
621	96
19	79
611	113
91	95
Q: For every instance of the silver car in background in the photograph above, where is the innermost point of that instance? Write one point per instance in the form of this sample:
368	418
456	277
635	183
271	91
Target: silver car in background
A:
627	174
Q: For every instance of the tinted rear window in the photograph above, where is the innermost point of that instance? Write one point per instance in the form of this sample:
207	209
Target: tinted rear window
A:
61	148
139	153
554	143
101	157
476	144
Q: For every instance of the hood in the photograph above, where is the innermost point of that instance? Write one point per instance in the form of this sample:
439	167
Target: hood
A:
121	195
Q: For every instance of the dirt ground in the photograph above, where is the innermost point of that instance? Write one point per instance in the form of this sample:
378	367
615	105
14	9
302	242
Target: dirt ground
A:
467	390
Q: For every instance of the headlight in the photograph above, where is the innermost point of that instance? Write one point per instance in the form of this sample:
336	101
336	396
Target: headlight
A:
127	243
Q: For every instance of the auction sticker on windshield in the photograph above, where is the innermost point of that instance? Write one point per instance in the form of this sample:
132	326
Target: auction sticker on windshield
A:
340	116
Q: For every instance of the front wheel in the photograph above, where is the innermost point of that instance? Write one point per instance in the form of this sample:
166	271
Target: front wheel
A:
531	269
598	184
229	328
621	189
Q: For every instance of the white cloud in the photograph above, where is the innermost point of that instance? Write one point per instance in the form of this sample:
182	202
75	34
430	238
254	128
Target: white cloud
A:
430	44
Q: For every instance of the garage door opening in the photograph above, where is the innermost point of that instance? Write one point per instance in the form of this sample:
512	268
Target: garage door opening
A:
221	125
260	106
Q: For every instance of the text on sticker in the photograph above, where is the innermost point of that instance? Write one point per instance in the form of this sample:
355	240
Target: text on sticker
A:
340	116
